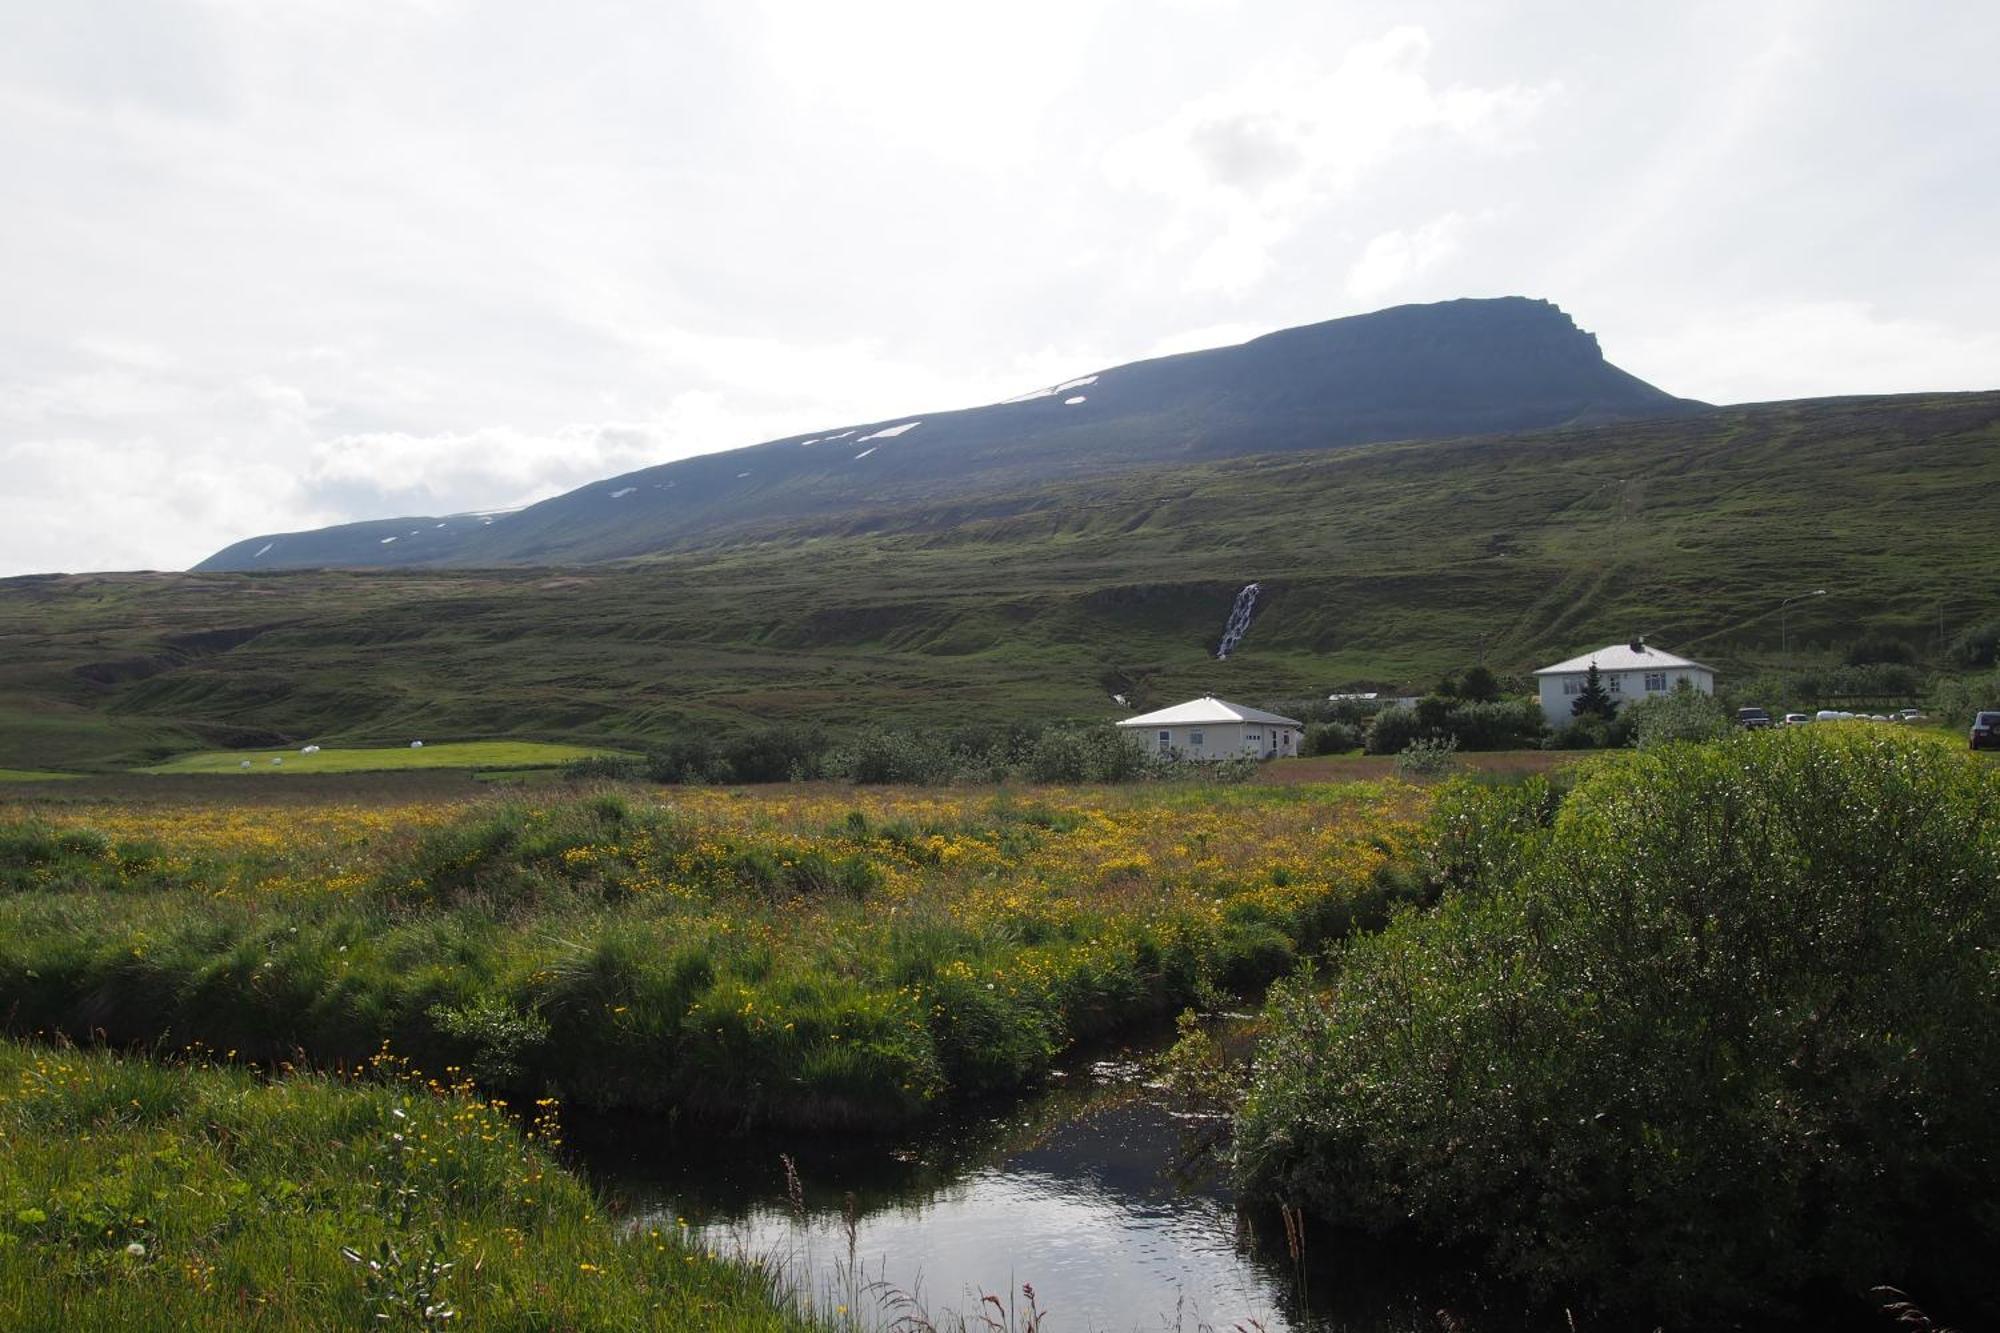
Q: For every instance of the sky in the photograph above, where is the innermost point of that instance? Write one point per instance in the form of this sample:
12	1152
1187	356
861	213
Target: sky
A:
271	264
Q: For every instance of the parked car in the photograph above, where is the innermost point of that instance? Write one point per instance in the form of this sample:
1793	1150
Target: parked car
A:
1908	715
1753	718
1986	730
1796	719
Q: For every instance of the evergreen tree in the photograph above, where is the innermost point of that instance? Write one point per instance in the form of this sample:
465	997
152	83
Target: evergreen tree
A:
1595	701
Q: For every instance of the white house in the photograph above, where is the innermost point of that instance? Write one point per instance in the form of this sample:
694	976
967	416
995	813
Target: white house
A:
1211	728
1629	671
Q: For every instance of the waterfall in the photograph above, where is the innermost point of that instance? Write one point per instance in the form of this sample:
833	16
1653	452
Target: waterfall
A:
1239	621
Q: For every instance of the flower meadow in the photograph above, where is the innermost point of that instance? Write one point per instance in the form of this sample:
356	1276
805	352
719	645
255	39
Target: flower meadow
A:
799	956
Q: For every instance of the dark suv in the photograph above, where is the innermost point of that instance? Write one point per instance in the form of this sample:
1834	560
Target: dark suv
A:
1986	731
1753	718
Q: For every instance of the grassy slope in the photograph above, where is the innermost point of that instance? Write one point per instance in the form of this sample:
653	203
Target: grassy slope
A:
461	754
1382	564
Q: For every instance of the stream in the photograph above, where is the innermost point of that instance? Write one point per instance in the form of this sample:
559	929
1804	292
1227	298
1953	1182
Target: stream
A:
1091	1191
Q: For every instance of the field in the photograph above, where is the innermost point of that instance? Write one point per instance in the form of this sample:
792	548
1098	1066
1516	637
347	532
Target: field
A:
33	775
444	754
805	955
1381	565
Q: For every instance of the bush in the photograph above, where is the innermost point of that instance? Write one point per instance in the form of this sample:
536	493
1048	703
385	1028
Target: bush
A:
1721	1036
1684	715
612	767
1877	646
1977	648
1957	700
1514	724
1332	738
1393	729
1428	757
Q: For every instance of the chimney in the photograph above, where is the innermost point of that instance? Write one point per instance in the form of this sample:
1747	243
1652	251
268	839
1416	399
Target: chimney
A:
1638	643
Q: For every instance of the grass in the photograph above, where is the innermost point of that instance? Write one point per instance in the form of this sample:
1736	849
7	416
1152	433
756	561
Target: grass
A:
186	1194
35	775
1382	566
507	755
808	956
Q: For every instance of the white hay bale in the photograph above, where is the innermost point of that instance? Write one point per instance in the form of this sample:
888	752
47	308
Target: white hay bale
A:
416	745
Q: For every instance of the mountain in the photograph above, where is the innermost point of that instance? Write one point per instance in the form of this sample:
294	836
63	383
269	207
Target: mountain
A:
1422	371
1380	566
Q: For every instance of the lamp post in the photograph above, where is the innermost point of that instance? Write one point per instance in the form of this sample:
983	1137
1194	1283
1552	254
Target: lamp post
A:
1784	638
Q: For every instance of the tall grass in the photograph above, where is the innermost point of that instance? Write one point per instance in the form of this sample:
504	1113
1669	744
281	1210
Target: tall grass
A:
1718	1032
145	1195
803	960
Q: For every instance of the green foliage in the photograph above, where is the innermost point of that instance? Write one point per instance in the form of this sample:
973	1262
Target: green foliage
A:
1978	648
1594	700
1719	1035
1471	725
1479	685
1683	714
1879	647
625	955
1956	702
1428	757
1084	754
171	1196
1332	738
1830	685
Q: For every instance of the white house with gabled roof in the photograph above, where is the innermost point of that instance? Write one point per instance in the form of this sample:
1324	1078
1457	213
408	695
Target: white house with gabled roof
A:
1629	671
1212	728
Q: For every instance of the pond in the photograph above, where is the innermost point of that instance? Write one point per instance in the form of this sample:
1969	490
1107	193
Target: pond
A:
1094	1192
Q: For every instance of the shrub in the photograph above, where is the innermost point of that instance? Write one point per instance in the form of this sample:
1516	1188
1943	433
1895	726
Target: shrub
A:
1721	1035
1977	648
1684	715
1428	758
880	755
1393	729
1876	646
1957	700
1332	738
613	767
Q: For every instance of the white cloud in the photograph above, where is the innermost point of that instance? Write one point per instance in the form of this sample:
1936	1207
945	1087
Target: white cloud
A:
1812	348
1395	257
1245	168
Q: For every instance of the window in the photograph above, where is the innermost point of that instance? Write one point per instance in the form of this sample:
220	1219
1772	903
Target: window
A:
1166	741
1655	681
1573	685
1616	684
1194	739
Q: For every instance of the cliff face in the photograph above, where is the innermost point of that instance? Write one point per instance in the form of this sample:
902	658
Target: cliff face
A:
1456	368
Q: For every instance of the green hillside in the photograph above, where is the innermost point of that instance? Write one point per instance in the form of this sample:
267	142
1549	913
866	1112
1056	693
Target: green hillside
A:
1379	564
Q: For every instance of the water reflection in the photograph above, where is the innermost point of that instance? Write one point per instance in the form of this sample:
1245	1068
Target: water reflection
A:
1093	1192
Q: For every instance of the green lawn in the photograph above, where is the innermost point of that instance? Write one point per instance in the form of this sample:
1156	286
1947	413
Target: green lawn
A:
445	754
33	775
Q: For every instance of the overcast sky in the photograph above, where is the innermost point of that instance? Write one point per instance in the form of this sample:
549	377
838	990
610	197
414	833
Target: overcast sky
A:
270	264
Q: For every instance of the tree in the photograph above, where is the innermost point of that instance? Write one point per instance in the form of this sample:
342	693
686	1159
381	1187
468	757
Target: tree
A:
1480	686
1595	701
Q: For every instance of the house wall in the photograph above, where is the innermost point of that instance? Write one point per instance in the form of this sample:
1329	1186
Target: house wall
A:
1559	692
1220	740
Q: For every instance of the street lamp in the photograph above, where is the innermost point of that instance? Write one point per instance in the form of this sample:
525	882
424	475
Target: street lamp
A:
1784	638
